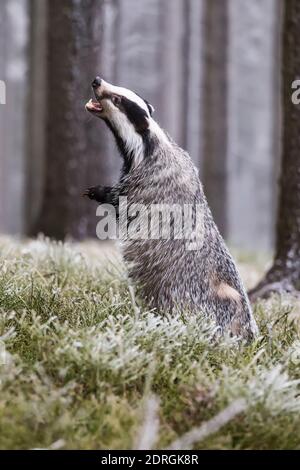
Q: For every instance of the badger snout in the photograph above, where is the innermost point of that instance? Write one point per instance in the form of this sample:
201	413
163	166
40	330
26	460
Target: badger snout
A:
97	82
95	107
98	86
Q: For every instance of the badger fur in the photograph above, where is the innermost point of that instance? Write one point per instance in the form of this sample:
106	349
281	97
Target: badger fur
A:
157	171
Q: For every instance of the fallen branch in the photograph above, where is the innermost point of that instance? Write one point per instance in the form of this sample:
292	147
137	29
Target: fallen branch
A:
149	432
209	427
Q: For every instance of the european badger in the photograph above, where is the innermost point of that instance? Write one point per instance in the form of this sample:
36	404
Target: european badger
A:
172	277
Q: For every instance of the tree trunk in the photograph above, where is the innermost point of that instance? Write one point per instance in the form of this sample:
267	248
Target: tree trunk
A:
75	148
13	67
193	53
253	156
36	106
215	113
285	272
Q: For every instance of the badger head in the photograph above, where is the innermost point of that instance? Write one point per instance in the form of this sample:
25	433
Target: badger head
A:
129	117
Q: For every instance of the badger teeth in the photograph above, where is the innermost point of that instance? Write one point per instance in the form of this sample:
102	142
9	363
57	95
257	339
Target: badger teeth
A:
93	106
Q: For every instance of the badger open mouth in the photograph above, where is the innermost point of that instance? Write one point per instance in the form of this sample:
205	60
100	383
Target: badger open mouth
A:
94	106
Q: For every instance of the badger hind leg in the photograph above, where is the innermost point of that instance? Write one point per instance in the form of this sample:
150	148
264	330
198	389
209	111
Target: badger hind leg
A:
234	314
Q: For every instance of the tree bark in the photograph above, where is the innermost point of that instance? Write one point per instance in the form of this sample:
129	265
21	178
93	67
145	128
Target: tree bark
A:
284	275
253	155
215	112
13	67
75	148
36	107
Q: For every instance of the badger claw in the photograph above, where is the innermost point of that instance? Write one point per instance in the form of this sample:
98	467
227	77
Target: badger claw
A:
90	193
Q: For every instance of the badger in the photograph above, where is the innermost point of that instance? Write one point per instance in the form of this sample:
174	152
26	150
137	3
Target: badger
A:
201	278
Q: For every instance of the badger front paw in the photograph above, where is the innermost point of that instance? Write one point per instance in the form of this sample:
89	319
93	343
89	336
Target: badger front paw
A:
102	194
92	193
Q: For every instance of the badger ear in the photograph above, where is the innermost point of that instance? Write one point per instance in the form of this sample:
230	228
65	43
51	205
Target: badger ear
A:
150	107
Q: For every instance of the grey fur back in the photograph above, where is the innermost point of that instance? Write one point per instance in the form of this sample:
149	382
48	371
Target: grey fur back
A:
171	277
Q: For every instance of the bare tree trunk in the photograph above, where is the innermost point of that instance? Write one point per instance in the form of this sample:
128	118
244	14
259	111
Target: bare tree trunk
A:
215	109
170	82
194	69
285	272
75	144
35	161
13	45
253	115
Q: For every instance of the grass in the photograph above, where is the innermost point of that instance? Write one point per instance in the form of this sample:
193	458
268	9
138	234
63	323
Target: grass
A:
86	368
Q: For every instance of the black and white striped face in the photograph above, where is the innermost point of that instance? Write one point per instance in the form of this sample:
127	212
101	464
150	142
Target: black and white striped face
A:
122	108
129	117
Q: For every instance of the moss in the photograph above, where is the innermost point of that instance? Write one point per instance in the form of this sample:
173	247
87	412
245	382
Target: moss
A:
82	360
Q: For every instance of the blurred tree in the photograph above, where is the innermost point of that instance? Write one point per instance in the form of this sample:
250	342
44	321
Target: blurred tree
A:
284	275
253	112
75	152
13	66
215	112
35	161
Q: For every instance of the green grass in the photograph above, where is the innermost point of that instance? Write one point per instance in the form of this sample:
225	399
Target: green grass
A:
86	368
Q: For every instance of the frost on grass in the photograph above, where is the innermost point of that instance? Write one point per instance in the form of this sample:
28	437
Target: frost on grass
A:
86	366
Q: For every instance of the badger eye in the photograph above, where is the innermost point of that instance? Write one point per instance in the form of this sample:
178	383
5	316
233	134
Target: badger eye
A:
116	100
